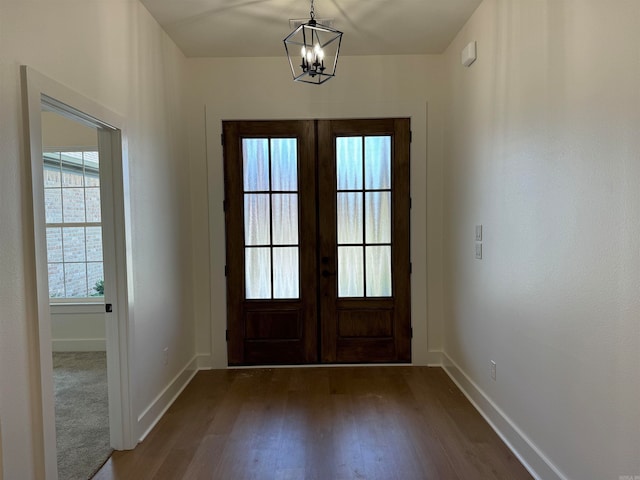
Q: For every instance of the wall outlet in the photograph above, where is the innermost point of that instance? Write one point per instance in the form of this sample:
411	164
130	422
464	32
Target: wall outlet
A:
165	356
493	370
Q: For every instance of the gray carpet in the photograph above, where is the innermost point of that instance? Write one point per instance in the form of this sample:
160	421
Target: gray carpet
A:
82	413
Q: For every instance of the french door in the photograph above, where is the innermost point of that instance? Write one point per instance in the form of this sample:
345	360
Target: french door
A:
317	241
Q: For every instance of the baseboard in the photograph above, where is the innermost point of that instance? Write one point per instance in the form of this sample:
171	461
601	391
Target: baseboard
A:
79	345
538	465
154	412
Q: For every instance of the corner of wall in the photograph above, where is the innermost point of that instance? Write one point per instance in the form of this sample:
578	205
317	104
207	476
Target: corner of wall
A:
204	361
538	465
158	407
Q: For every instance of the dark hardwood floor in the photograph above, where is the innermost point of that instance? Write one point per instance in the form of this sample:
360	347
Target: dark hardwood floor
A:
326	423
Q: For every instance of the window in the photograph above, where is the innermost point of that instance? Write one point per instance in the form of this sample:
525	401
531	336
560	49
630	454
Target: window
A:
363	169
271	217
73	221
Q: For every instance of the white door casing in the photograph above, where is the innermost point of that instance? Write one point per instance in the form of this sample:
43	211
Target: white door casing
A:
38	92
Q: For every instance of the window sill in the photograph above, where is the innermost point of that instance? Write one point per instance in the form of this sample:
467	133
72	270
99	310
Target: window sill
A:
76	308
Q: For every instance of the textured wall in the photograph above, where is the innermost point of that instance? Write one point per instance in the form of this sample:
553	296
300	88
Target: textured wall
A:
542	148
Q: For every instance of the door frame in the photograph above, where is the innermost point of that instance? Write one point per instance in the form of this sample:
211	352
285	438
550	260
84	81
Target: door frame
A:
38	91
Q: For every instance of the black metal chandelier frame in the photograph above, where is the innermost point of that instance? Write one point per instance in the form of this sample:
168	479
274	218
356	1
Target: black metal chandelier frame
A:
319	47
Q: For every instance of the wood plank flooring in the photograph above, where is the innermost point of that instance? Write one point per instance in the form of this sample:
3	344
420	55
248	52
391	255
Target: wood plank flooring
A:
325	423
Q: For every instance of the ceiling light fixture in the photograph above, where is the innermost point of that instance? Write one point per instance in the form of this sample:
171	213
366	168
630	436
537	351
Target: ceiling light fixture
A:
316	47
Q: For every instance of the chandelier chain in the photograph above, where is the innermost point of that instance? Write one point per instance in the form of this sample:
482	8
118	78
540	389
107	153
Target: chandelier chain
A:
312	13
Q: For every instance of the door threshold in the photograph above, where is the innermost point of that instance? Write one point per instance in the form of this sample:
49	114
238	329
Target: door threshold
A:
316	365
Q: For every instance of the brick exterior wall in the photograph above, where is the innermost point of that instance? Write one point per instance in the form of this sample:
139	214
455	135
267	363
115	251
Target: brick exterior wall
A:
74	234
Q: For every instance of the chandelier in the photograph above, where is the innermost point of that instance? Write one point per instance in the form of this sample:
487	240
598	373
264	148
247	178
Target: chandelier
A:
312	51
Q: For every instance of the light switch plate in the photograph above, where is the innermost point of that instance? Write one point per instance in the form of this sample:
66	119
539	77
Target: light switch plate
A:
478	251
478	233
468	54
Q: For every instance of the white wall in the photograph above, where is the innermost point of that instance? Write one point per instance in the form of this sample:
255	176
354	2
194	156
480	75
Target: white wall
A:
542	148
78	328
262	88
113	52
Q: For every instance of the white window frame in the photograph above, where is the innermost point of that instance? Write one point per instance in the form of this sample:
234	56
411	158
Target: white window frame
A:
67	301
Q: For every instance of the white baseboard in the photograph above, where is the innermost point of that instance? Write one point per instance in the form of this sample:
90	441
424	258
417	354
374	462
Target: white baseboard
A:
538	465
154	412
79	345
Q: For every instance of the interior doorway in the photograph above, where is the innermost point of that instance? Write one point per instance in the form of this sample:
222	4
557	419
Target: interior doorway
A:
103	195
317	229
75	261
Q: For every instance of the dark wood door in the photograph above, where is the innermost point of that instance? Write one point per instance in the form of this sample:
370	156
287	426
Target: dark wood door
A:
365	299
270	212
317	230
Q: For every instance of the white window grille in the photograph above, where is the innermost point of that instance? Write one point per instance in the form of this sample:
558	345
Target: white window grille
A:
74	225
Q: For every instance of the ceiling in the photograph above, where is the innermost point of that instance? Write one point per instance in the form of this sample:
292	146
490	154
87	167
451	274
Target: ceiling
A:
256	28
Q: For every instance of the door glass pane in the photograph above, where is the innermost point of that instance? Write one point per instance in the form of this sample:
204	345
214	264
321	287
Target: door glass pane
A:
378	271
285	219
350	272
378	212
285	272
349	163
284	165
364	218
256	219
349	212
377	162
255	158
257	273
271	217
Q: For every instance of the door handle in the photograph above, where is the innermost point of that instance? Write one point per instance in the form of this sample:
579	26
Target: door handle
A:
327	273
